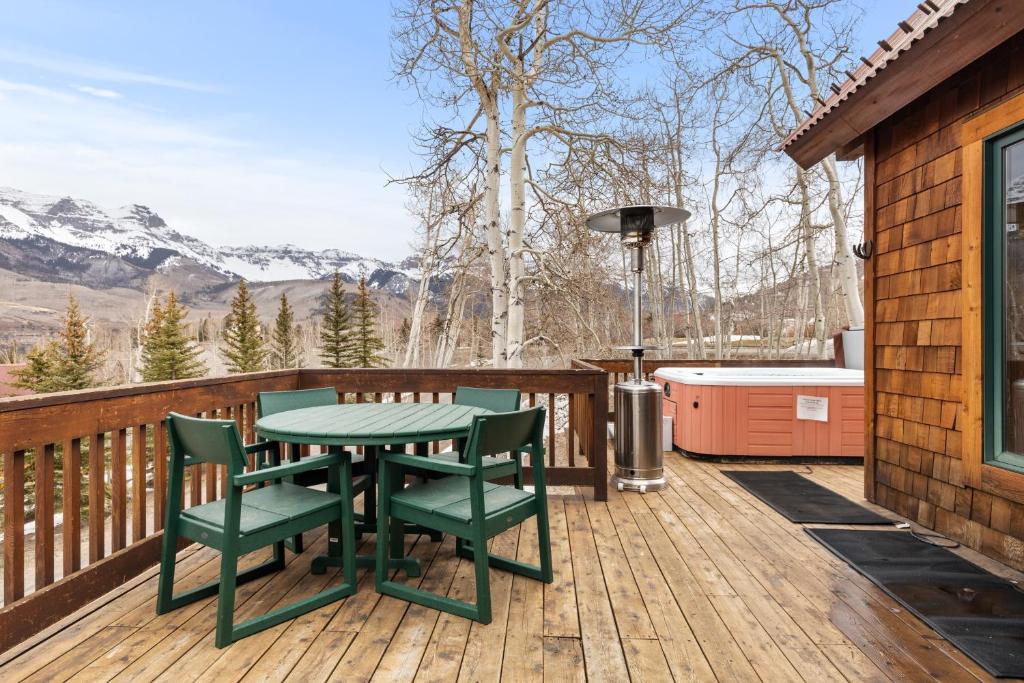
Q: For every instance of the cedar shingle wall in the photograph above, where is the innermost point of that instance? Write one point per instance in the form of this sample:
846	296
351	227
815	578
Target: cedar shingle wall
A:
917	312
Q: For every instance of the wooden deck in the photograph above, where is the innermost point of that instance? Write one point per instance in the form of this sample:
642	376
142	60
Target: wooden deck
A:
698	582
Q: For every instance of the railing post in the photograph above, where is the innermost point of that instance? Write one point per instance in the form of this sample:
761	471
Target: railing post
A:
45	494
599	440
72	522
159	474
97	497
118	488
14	525
139	508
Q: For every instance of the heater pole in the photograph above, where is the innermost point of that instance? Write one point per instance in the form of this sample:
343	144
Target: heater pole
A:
636	253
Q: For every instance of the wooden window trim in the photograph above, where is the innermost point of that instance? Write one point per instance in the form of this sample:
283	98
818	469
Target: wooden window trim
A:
976	472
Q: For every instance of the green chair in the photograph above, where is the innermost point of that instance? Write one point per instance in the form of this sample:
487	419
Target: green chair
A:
469	507
271	402
498	401
246	520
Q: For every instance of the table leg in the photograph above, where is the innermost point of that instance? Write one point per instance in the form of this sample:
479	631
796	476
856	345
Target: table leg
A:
345	543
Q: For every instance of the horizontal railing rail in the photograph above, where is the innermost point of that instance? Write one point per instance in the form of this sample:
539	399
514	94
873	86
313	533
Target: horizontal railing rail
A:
98	456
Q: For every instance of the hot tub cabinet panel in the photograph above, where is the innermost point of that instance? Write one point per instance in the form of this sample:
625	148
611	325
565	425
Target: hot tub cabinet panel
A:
752	411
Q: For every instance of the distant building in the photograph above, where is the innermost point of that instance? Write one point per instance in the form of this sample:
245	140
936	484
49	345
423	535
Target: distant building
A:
7	381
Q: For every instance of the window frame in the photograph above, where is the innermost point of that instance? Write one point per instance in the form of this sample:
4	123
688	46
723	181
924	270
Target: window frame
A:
993	336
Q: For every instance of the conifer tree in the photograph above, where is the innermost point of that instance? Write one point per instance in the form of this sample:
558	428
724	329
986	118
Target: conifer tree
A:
367	344
285	351
244	348
335	330
67	363
78	359
37	375
167	350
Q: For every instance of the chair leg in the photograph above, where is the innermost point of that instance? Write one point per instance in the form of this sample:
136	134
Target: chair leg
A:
226	598
165	589
482	571
294	455
544	541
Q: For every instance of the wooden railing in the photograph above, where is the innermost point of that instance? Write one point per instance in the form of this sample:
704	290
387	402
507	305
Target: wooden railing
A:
99	457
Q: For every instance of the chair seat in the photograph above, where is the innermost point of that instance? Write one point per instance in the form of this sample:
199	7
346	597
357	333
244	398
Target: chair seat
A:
266	507
488	461
449	497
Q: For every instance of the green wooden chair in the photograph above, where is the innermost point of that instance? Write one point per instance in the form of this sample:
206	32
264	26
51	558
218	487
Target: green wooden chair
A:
498	401
246	520
271	402
468	506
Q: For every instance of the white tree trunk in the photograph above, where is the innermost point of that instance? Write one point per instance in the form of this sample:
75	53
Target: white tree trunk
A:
495	246
516	226
846	265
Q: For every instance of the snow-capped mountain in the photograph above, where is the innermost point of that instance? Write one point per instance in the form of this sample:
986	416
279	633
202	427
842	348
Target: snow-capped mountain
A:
67	239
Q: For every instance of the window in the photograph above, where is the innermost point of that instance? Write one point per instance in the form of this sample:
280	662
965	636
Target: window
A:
1003	438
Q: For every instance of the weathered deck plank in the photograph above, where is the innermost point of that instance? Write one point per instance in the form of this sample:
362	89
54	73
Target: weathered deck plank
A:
699	582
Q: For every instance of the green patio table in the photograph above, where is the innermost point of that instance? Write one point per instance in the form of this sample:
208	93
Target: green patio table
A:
373	426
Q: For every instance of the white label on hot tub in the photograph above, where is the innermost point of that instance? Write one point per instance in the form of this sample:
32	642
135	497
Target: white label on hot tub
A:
812	408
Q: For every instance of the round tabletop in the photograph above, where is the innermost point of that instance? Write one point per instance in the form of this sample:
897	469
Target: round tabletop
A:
369	424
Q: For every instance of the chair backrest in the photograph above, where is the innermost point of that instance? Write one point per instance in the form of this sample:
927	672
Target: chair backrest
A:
505	433
270	402
495	400
212	441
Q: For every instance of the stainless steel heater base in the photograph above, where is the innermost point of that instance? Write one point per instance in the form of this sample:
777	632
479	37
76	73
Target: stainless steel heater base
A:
638	454
622	483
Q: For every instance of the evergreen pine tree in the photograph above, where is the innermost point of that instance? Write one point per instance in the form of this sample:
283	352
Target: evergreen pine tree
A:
77	357
37	375
167	351
335	330
67	363
244	349
284	350
367	344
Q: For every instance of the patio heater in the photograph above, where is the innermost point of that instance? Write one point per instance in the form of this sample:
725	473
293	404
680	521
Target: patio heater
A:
638	454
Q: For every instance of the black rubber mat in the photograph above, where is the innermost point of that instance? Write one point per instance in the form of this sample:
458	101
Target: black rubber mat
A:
801	500
978	612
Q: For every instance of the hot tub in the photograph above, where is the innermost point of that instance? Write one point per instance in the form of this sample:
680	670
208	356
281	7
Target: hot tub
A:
765	412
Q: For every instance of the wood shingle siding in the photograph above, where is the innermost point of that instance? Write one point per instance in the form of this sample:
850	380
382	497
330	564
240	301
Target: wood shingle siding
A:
917	212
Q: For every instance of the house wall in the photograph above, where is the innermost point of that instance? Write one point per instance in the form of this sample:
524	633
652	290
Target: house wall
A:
914	165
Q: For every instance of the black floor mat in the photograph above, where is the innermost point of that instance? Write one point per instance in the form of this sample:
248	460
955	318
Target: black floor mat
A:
979	612
801	500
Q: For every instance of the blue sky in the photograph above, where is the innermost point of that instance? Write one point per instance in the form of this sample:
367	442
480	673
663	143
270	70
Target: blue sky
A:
240	122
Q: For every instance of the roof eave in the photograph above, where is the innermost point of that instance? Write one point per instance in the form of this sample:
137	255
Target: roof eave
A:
965	36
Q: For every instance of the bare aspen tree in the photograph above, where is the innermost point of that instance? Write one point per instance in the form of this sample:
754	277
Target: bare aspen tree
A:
783	34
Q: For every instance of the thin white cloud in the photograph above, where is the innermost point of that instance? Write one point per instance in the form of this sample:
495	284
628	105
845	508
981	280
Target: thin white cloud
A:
99	92
37	90
80	68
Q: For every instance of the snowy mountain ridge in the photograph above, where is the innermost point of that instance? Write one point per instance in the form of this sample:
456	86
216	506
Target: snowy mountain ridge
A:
71	229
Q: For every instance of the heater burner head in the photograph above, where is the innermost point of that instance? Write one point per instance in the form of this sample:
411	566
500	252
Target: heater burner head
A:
636	223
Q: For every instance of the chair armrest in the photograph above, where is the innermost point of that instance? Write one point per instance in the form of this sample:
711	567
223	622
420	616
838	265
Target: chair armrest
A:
287	469
423	463
260	446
